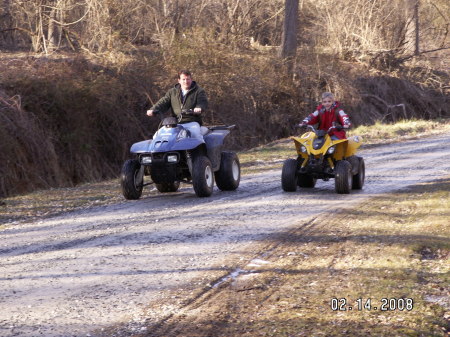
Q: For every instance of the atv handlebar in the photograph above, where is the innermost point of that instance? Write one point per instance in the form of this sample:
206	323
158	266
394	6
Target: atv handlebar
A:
190	112
337	127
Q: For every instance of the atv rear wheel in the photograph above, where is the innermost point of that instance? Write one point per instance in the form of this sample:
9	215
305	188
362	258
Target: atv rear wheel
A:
289	175
229	174
343	177
202	176
131	187
358	179
168	187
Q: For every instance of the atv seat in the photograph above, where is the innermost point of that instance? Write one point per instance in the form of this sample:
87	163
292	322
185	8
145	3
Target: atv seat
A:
203	130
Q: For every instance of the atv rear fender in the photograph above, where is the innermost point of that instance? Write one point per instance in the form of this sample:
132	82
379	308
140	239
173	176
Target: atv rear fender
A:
214	144
354	143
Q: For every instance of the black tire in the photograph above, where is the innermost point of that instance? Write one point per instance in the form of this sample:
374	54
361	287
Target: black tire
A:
202	176
289	175
168	187
343	177
358	179
131	189
229	174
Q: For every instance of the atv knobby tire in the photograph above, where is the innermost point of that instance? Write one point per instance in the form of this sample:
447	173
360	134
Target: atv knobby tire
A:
168	187
343	177
202	176
289	175
131	188
358	179
229	174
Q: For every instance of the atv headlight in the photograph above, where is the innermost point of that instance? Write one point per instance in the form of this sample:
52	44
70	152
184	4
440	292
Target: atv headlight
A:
331	150
146	160
303	149
172	158
182	134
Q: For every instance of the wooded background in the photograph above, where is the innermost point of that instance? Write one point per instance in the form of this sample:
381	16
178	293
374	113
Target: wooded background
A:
76	76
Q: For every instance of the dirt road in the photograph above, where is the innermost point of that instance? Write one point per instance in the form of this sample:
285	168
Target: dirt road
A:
136	263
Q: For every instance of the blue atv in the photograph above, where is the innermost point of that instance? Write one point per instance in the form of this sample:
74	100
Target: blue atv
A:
174	156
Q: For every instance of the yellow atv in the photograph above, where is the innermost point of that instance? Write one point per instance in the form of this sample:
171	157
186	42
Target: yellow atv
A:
320	157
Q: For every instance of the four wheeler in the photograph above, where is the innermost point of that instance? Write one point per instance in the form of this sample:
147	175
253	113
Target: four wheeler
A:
173	156
320	157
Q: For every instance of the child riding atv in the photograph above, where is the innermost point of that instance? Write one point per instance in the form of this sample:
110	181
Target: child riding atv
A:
326	152
329	114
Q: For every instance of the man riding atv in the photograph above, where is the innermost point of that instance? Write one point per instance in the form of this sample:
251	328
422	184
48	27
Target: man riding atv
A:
182	150
185	95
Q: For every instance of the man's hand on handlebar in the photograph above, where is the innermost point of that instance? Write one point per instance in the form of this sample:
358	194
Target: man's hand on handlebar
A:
195	111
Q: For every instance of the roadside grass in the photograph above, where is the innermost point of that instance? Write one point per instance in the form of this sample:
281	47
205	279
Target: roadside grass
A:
49	202
44	203
395	248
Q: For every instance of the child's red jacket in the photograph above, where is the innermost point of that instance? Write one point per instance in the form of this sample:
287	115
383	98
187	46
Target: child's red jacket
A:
325	119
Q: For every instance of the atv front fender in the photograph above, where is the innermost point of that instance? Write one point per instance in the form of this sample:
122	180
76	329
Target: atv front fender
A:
141	147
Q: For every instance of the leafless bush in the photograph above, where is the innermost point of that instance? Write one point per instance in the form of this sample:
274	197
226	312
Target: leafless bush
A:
28	159
76	127
390	99
358	29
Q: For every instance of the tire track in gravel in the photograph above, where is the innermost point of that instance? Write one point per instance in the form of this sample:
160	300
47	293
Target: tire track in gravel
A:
85	271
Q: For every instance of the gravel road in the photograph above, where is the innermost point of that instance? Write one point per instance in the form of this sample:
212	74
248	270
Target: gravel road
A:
92	272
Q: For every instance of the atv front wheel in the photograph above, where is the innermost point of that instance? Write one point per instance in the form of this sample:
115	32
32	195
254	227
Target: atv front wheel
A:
131	186
343	177
358	179
168	187
229	174
289	175
202	176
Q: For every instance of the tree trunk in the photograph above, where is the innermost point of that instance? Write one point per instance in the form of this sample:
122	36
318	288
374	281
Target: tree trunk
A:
412	26
289	37
6	23
51	31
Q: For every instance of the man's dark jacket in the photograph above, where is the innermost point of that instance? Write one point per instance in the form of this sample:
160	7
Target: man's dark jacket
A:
195	98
